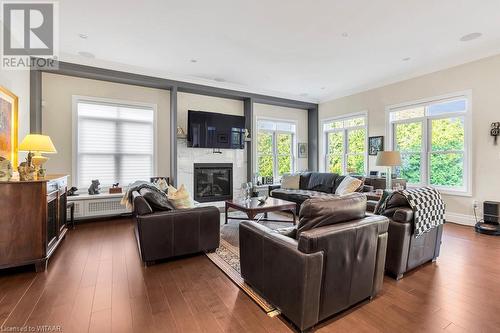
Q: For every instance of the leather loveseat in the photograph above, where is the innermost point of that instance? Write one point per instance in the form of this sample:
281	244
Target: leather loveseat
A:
332	260
405	251
313	184
166	234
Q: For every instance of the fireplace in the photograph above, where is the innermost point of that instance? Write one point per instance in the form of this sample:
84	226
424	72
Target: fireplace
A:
213	181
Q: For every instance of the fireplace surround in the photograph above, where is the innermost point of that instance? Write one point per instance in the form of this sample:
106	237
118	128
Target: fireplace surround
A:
213	182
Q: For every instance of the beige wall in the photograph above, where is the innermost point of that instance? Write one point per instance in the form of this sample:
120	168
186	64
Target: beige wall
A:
299	116
482	78
57	115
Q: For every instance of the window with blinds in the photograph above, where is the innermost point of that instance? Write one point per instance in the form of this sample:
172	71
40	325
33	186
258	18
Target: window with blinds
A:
114	143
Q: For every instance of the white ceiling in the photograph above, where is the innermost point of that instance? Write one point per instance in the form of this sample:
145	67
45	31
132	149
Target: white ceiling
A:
287	48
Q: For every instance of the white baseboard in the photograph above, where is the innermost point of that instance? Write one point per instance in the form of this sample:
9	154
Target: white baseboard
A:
460	218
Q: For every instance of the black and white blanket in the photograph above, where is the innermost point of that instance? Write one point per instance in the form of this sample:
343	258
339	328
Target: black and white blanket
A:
428	208
137	186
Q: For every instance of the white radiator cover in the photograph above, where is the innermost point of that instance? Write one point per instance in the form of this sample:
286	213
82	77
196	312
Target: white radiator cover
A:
101	205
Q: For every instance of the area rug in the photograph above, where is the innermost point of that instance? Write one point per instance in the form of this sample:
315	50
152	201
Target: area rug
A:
227	258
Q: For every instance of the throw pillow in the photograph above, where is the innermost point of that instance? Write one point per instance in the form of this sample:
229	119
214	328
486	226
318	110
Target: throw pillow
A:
290	182
348	185
156	199
180	198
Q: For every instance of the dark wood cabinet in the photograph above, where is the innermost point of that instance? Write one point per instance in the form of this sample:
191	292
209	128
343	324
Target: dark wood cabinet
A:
32	220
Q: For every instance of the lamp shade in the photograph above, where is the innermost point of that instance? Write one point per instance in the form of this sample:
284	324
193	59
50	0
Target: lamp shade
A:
388	158
37	143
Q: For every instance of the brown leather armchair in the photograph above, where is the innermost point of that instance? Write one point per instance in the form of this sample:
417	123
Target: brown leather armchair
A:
320	271
405	251
166	234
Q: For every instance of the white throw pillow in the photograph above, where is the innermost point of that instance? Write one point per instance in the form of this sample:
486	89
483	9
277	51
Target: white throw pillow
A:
179	198
348	185
290	182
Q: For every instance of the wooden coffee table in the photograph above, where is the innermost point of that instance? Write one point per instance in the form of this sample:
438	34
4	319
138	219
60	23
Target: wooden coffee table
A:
253	207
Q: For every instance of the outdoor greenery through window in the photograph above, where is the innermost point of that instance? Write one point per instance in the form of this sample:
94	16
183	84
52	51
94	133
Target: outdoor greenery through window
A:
346	145
275	142
432	139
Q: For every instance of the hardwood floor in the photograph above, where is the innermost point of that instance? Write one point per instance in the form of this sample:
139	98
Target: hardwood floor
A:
96	282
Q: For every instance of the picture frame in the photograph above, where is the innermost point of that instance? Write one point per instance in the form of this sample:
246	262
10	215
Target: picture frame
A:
9	104
302	148
375	144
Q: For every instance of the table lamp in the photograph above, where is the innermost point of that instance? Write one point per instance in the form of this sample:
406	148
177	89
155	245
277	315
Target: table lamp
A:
36	145
388	159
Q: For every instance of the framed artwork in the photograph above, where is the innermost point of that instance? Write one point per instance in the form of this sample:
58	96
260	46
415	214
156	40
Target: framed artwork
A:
302	150
8	125
375	144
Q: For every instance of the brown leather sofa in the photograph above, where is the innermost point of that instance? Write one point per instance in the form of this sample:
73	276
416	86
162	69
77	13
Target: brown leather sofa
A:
166	234
334	259
405	251
313	184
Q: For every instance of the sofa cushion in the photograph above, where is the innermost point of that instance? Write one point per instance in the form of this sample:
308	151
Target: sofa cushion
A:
156	199
304	180
322	182
302	195
290	181
322	211
348	185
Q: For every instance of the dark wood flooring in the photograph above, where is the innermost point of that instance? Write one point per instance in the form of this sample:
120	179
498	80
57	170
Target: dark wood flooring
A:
96	282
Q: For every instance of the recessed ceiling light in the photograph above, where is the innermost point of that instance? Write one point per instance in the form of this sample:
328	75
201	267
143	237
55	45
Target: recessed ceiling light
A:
86	54
193	60
406	59
470	37
219	79
83	36
323	88
345	34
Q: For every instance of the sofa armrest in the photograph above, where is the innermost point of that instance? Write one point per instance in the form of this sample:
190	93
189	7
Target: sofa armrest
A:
403	215
288	278
177	232
272	188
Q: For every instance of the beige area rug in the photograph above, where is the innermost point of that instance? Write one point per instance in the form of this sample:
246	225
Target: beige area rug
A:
227	258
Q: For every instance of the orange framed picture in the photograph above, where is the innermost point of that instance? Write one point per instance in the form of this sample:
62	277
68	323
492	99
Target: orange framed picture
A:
8	125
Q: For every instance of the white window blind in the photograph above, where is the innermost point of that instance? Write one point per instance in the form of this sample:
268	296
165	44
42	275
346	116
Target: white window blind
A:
115	143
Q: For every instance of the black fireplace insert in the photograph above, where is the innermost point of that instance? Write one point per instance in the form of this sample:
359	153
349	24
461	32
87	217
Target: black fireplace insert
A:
213	182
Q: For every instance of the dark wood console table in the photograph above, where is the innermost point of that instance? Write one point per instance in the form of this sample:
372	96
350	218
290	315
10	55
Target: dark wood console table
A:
32	220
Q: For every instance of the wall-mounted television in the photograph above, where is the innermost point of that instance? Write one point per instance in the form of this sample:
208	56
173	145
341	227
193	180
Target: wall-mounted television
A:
215	130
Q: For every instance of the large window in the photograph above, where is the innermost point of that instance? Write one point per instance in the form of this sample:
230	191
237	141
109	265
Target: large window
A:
114	142
432	138
346	145
275	148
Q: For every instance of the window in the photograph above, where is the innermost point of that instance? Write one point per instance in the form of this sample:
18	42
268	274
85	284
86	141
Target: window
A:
275	148
114	142
346	145
431	137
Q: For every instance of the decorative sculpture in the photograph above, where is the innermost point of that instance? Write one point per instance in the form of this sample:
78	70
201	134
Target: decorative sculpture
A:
5	169
94	187
26	169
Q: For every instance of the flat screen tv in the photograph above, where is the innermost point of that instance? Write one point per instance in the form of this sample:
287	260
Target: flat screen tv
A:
215	130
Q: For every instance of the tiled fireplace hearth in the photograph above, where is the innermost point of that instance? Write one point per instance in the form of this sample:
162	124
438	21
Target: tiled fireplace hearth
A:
213	182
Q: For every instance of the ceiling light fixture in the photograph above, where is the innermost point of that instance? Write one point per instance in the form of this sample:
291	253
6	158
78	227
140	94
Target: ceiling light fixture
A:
406	59
471	36
345	34
323	88
193	61
83	36
86	54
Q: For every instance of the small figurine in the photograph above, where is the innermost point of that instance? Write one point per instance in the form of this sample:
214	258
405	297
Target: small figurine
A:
26	170
5	169
72	191
115	189
94	187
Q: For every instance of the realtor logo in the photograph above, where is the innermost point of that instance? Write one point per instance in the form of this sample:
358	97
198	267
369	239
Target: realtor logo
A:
30	36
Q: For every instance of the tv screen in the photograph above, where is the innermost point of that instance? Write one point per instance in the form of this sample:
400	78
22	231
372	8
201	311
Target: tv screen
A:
215	130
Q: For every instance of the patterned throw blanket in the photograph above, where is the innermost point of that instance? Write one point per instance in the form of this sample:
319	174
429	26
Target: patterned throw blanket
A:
428	208
137	186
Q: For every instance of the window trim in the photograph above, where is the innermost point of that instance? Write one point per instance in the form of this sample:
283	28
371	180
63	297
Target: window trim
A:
466	190
275	156
345	130
75	99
